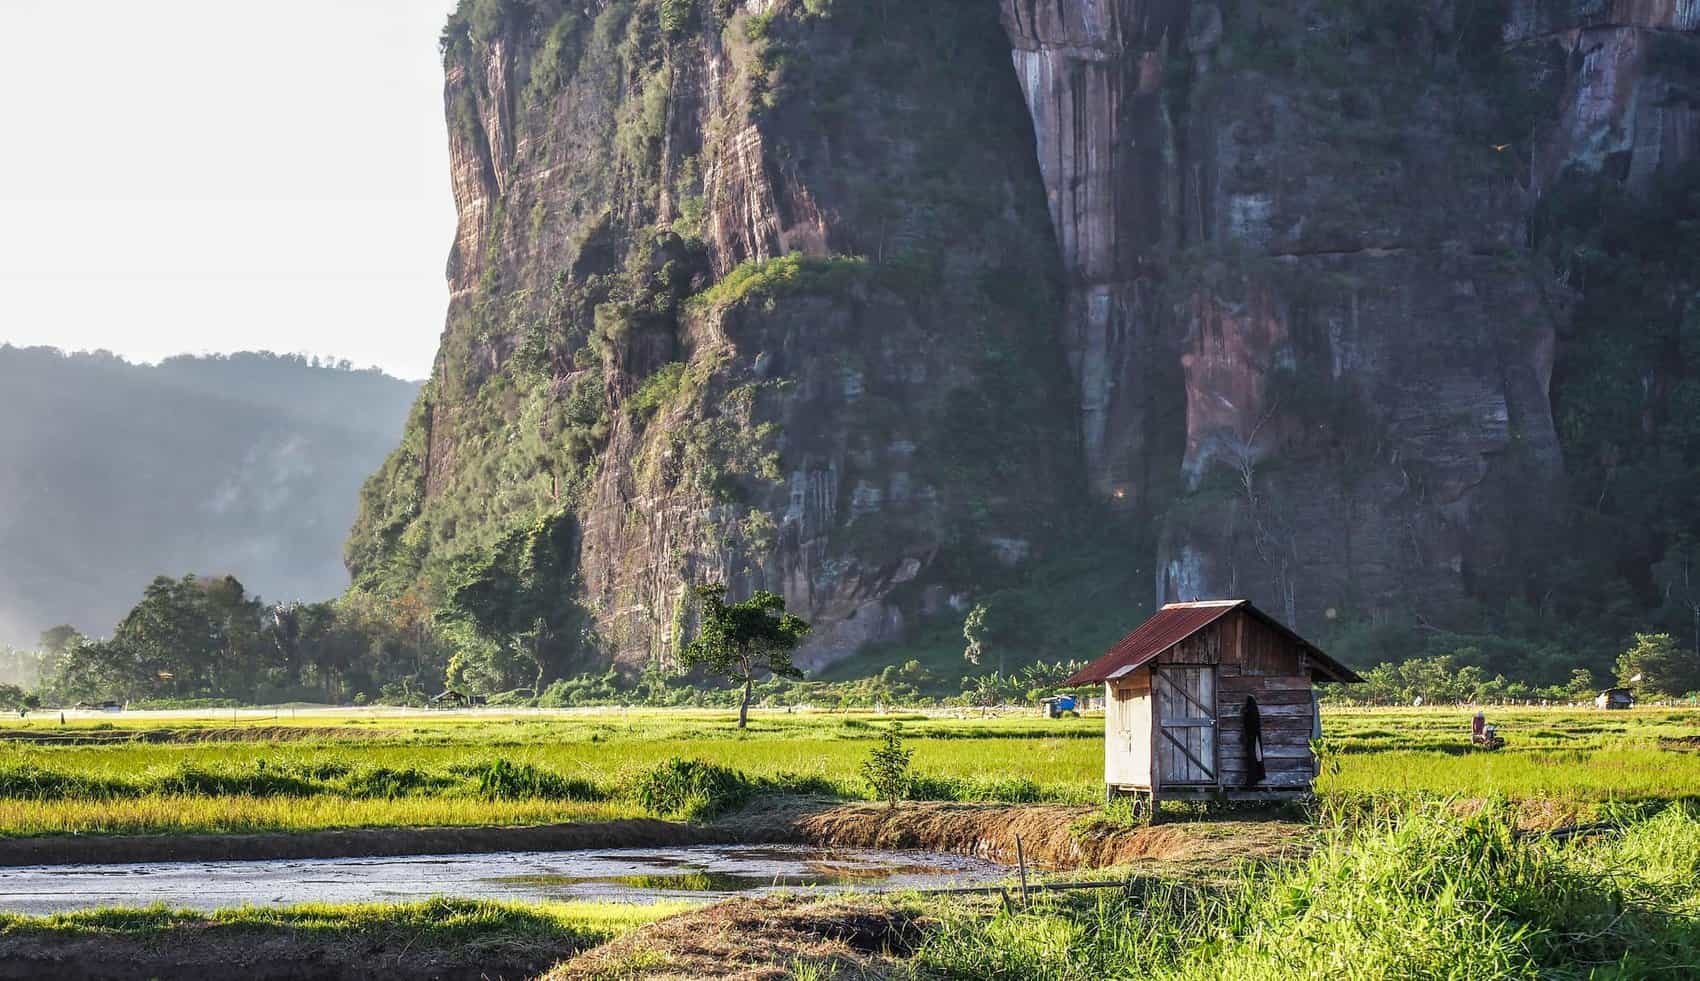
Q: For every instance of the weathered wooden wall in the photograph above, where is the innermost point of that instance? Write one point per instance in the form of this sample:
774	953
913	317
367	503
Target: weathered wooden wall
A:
1265	665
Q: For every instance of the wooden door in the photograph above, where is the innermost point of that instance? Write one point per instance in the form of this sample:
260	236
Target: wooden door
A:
1186	724
1127	732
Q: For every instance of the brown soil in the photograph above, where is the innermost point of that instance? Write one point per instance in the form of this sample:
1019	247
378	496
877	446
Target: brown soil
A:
211	734
1051	836
757	940
282	957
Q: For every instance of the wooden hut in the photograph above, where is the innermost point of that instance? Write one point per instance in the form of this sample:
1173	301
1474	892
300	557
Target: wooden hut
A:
1615	698
1210	701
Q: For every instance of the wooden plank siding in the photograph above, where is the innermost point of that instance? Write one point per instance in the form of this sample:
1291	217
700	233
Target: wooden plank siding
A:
1204	647
1265	666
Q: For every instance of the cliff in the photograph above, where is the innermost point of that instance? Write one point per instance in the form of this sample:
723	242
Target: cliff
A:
874	303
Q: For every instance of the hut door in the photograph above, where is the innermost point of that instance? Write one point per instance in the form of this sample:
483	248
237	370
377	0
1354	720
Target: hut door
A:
1186	723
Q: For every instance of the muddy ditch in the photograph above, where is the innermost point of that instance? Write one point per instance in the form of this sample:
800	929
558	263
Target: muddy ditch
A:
693	873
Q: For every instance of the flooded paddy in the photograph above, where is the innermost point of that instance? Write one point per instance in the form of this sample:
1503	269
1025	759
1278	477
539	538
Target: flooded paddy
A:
618	874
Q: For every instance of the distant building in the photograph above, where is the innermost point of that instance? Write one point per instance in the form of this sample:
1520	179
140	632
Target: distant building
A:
1208	701
1615	698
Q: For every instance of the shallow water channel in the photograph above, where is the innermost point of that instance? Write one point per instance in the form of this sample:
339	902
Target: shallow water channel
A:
620	874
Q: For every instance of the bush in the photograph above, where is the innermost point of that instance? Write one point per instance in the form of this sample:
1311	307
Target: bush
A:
30	782
504	780
191	780
887	767
692	790
388	782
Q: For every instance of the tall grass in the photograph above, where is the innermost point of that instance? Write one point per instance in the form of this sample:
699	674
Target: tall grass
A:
1425	894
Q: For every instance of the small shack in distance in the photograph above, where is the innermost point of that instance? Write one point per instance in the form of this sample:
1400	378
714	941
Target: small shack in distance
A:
1615	698
1210	701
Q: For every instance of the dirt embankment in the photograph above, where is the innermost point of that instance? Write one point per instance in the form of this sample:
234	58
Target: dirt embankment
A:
751	939
1051	837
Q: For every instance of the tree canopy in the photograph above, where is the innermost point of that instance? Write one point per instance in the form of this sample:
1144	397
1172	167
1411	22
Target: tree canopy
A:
739	641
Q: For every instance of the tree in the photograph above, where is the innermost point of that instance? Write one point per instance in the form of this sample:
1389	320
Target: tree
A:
738	641
1581	685
974	631
58	640
1655	665
518	599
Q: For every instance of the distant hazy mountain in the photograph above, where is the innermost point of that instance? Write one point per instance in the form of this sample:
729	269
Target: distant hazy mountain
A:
112	473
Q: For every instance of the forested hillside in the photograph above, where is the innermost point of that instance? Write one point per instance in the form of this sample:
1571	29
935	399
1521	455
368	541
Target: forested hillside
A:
114	473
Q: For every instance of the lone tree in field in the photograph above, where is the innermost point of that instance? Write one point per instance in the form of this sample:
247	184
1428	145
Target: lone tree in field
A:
738	641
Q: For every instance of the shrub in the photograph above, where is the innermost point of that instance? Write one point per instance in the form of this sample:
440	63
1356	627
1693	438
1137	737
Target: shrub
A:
191	780
676	16
692	789
388	782
887	767
505	780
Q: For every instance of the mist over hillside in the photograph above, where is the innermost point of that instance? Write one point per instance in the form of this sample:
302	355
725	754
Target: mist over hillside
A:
248	464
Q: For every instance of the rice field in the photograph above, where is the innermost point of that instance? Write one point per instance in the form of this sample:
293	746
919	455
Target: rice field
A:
368	770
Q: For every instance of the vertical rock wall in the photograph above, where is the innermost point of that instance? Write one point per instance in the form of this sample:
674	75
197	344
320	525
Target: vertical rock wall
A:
1092	74
1303	251
752	293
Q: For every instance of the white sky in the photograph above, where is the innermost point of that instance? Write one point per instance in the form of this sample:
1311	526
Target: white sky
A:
222	175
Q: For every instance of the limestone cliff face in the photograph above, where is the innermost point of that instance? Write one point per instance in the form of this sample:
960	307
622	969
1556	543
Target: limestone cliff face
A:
860	302
1622	110
752	294
1316	215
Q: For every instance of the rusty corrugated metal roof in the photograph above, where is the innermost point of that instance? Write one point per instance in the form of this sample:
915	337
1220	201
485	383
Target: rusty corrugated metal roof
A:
1166	628
1175	623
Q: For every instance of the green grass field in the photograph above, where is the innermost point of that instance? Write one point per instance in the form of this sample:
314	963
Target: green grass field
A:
393	771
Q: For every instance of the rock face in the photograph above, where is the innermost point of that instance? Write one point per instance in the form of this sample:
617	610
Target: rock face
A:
825	298
712	300
1319	213
1623	110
